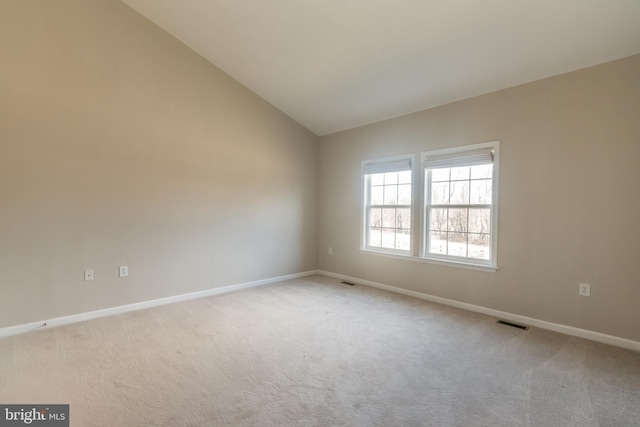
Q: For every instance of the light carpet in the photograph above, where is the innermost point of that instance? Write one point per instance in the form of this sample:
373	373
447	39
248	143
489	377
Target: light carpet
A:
315	352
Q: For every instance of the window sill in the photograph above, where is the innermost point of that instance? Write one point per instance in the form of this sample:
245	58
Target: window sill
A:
457	264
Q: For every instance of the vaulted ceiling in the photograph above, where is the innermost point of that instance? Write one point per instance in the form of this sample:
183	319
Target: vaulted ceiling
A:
338	64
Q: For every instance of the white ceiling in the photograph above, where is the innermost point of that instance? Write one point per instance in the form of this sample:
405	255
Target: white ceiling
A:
338	64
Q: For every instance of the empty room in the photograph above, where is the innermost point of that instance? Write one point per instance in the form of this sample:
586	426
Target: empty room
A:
319	213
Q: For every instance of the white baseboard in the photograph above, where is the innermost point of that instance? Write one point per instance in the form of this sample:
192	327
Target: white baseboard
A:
564	329
58	321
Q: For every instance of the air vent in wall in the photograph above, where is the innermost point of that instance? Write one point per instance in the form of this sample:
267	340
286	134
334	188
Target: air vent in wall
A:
513	325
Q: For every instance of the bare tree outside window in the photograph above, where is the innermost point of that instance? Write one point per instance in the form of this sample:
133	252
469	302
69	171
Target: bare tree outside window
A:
389	210
460	211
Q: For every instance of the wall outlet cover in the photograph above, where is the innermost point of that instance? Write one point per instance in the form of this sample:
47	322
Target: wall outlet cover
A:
584	290
123	271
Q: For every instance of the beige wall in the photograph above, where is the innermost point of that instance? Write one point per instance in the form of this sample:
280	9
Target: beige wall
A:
118	145
569	198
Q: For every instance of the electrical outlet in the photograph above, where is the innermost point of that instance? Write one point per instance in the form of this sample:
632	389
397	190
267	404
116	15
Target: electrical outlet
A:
330	251
585	290
88	275
123	271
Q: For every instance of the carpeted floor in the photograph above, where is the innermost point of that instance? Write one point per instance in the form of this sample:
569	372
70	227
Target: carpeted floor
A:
314	352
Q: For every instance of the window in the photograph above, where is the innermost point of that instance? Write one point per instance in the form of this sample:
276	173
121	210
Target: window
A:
459	204
387	212
456	196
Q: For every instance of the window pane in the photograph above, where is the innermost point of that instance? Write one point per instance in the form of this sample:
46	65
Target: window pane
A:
389	218
389	204
460	192
457	244
480	220
403	218
390	194
460	173
481	192
377	179
375	217
459	204
403	240
482	171
440	193
391	178
375	237
388	238
479	246
438	243
438	219
440	174
376	195
457	220
404	177
404	194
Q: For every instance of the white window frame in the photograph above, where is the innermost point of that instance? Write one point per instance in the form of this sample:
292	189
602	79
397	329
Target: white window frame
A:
420	193
491	263
365	198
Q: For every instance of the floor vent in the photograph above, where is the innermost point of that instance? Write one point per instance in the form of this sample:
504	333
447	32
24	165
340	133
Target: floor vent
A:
513	325
348	283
